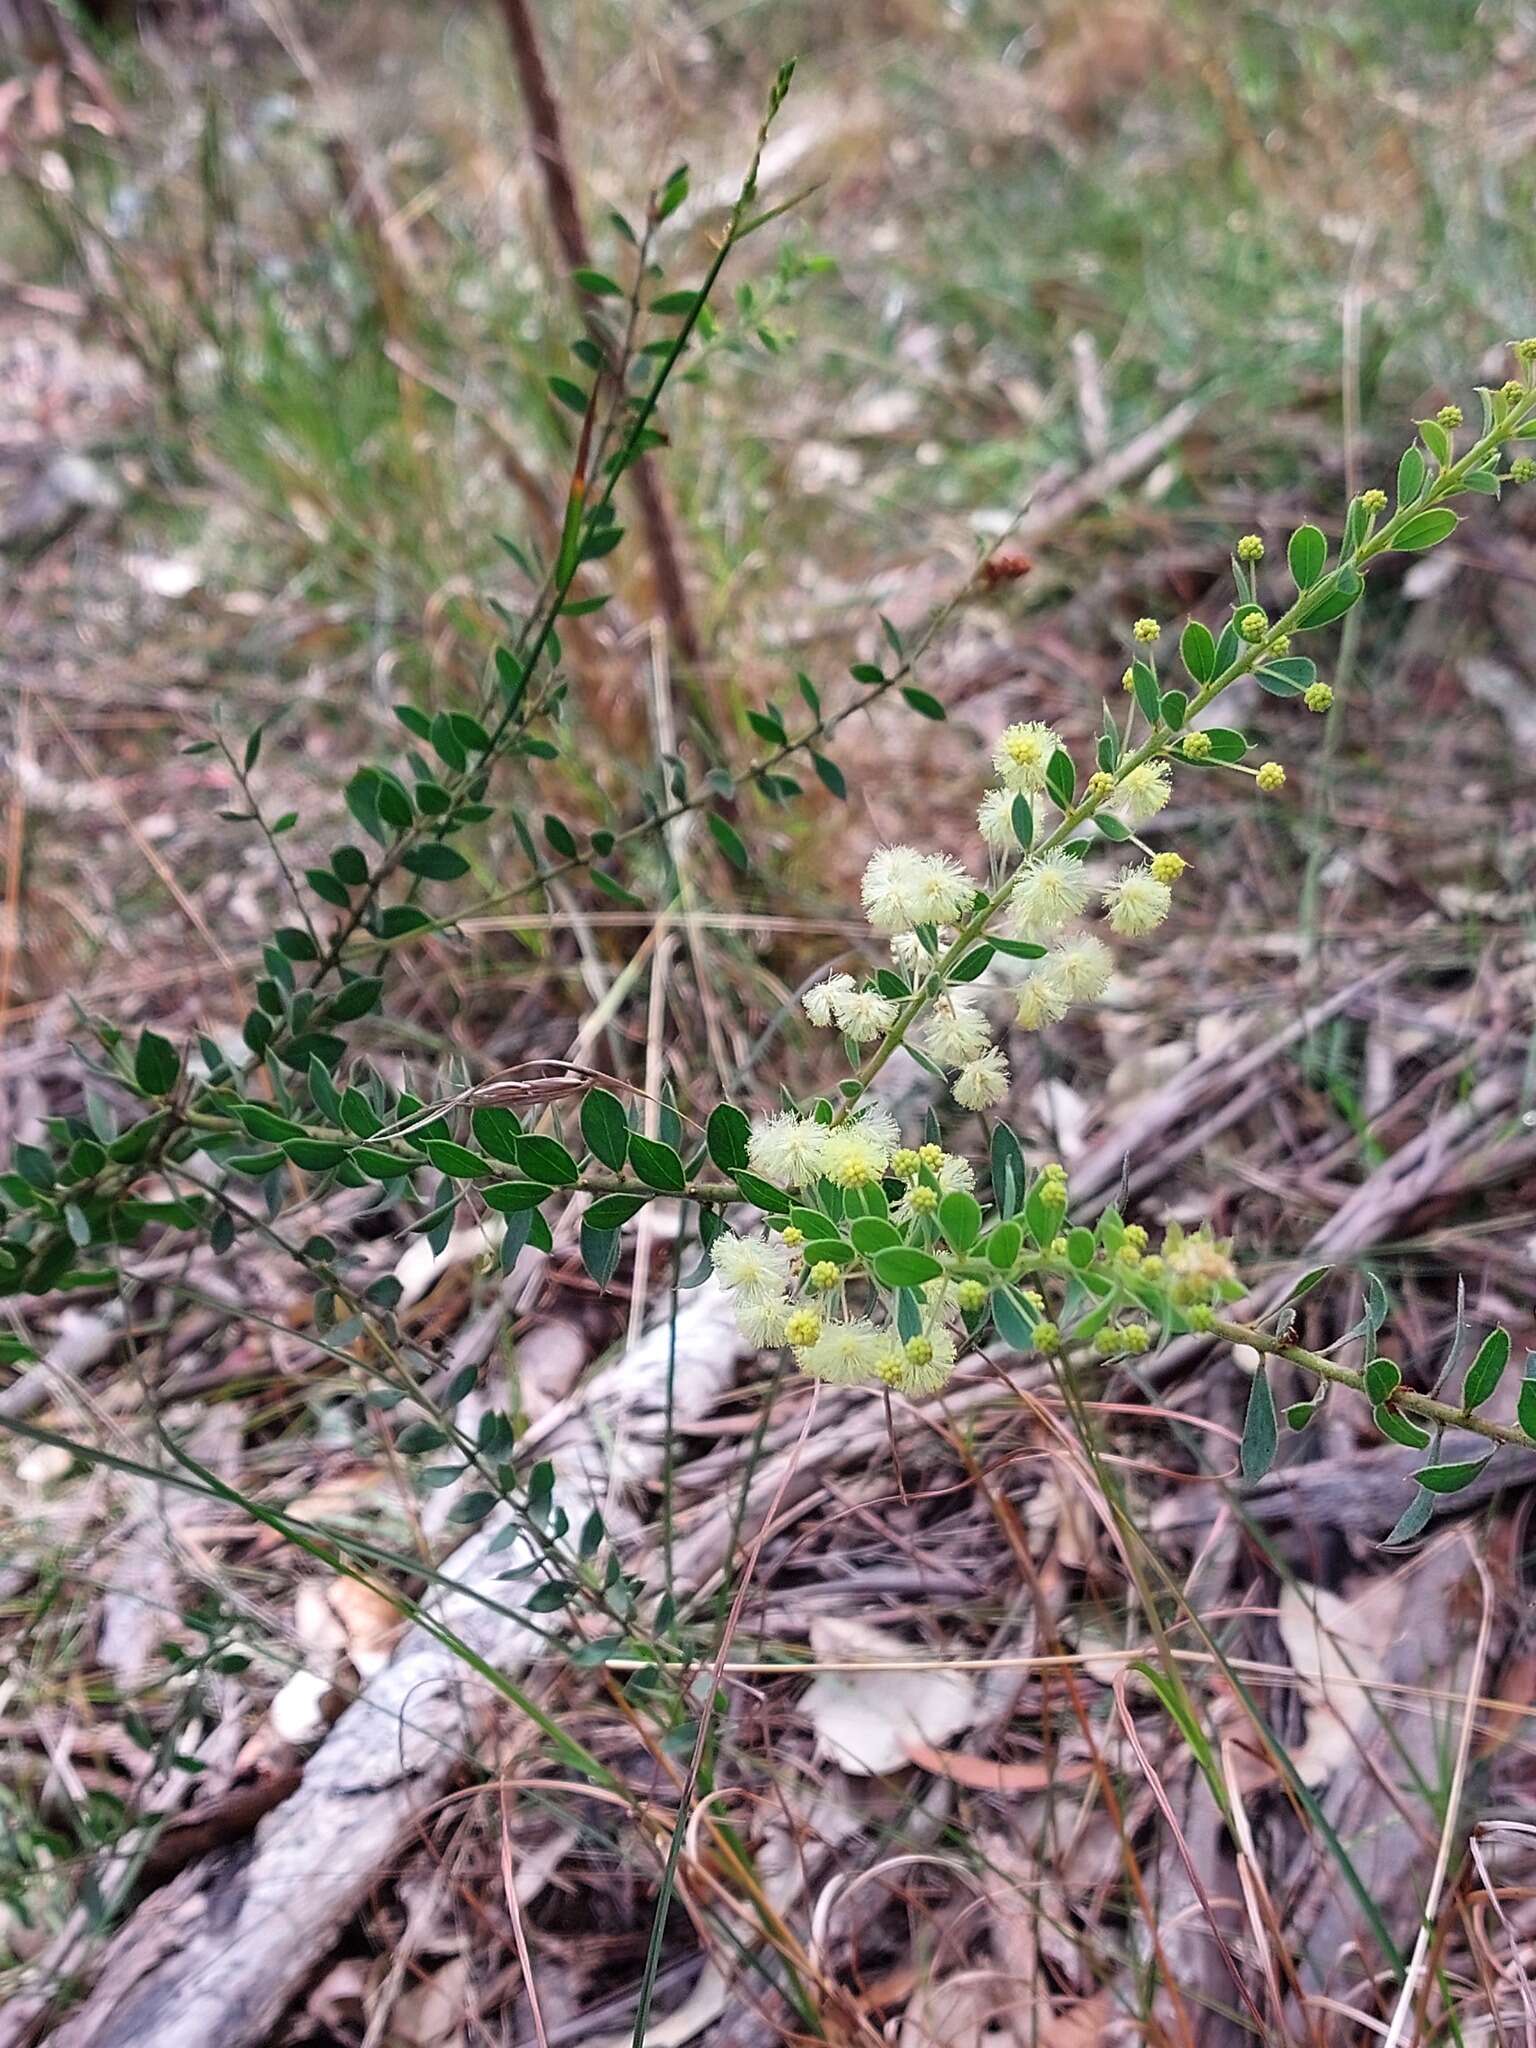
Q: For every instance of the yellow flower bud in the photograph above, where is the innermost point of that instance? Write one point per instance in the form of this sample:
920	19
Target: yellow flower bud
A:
802	1326
1270	777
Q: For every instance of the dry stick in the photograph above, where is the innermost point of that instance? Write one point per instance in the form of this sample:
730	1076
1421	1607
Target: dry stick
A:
565	217
1400	2017
249	1931
15	839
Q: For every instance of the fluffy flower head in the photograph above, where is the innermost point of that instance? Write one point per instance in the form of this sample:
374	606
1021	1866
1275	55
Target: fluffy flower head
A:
863	1013
855	1155
982	1083
1081	970
1137	902
1143	791
994	819
818	999
903	888
1048	893
1041	1001
754	1268
787	1149
844	1353
955	1032
1022	755
760	1322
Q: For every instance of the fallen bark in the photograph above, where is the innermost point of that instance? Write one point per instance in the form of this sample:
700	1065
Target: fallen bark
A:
220	1954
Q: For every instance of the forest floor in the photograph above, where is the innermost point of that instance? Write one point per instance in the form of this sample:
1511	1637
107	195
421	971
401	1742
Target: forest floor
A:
279	300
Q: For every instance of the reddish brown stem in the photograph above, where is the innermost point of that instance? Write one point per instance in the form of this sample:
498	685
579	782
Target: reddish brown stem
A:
565	218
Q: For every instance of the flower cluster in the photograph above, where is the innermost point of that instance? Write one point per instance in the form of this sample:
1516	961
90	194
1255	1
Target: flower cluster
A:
815	1294
878	1262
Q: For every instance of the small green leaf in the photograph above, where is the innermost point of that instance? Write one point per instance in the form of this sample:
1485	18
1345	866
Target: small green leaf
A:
496	1132
435	863
1003	1245
547	1160
762	1194
657	1165
1144	689
1308	556
1426	529
1394	1424
156	1064
511	1197
1382	1380
612	1212
960	1219
1332	604
569	394
1080	1248
871	1234
1411	472
599	1250
560	836
727	1135
924	705
605	1128
1486	1370
1451	1478
729	840
1197	649
1525	1412
903	1266
830	775
598	283
457	1161
1261	1434
1436	440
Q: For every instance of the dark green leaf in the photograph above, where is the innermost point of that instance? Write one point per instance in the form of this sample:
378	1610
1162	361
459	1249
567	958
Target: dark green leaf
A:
727	1134
435	863
902	1266
547	1160
612	1212
599	1250
728	839
1308	556
156	1064
1486	1370
1145	690
1394	1424
923	704
1453	1477
569	394
1426	530
1261	1434
975	962
960	1219
831	776
605	1128
657	1164
454	1160
1198	651
1382	1379
511	1197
